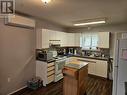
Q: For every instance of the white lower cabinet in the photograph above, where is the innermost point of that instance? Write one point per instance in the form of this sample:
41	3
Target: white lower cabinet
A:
101	68
46	71
95	67
91	68
98	68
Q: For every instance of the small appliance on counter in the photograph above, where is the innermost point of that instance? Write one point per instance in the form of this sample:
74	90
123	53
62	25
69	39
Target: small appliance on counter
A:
44	55
73	50
54	52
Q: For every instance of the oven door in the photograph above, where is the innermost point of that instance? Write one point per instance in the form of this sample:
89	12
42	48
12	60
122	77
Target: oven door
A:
59	65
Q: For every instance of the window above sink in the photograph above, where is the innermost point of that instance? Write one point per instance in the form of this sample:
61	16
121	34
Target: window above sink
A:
89	40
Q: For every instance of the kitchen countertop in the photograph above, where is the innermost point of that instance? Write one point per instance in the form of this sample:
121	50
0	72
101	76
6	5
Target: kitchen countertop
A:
89	57
47	61
76	64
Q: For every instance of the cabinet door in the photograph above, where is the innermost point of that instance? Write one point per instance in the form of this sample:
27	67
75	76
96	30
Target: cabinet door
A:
91	68
77	39
64	41
45	38
58	37
41	71
103	40
38	38
42	38
70	39
101	68
52	35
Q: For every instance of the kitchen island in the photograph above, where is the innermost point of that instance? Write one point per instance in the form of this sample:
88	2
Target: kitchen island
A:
75	77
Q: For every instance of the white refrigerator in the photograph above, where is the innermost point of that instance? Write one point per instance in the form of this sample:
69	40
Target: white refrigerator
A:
120	67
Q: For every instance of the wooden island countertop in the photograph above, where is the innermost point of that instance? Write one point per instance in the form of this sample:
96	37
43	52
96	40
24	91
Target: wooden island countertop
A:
75	77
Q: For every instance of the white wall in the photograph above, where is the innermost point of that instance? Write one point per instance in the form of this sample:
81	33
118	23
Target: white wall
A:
17	57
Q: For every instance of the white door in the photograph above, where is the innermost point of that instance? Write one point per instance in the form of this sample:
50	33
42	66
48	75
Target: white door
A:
122	67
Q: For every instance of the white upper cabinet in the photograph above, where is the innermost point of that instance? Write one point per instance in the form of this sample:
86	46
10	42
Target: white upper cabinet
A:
52	34
70	39
38	39
77	39
42	38
103	40
63	39
45	38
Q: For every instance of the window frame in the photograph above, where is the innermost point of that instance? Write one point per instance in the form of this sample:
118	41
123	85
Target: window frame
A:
90	47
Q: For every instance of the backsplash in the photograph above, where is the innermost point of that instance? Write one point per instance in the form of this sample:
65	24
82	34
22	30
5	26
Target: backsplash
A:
101	52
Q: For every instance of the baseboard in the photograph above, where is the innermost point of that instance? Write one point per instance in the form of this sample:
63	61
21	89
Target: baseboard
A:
17	90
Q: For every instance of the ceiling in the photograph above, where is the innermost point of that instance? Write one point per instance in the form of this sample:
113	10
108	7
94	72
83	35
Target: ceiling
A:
65	12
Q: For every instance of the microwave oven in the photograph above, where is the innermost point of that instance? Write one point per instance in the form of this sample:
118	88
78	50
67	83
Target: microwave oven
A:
45	56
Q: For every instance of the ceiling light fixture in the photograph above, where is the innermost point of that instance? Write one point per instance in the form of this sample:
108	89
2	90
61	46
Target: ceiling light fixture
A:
45	1
90	23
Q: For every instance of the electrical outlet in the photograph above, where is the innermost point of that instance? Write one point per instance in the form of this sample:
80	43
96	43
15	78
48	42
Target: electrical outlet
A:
8	79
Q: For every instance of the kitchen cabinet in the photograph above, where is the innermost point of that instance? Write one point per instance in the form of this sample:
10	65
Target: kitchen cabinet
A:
91	68
42	38
62	37
38	39
77	39
46	71
55	37
103	40
45	38
95	67
70	39
101	68
52	34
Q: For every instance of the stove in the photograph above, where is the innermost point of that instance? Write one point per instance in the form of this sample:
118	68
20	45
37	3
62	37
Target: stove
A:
59	65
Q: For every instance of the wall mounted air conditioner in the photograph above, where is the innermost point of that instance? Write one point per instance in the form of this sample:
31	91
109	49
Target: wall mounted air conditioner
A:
20	21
